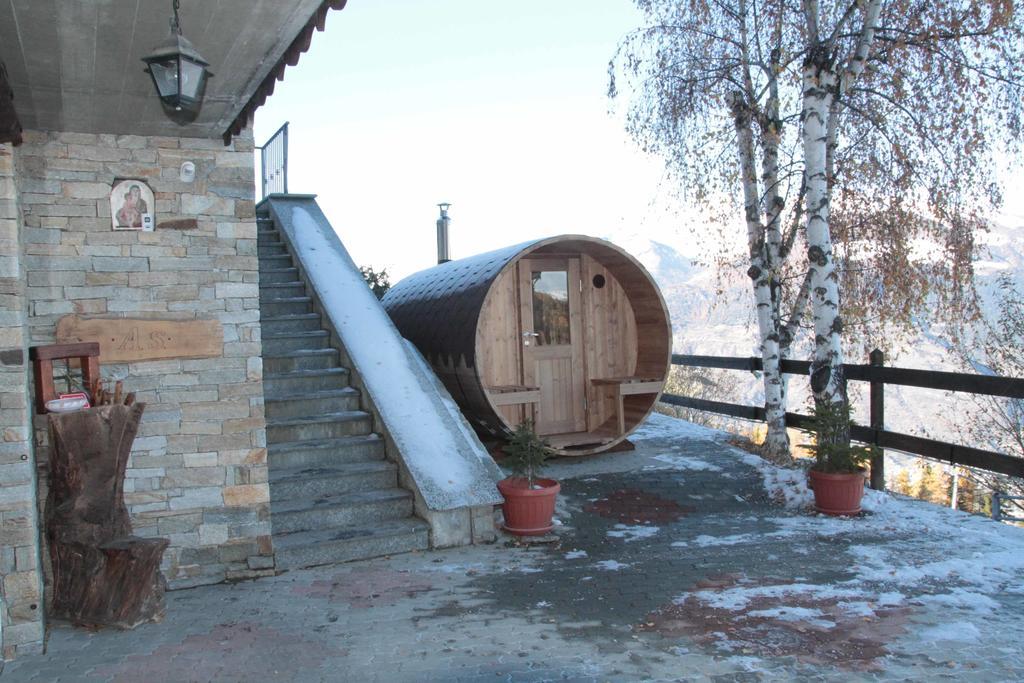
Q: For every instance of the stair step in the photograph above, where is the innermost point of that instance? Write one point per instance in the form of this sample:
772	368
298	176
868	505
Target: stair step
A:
283	344
280	307
312	359
325	426
312	548
311	403
303	322
325	452
303	382
274	262
279	275
316	482
271	247
271	291
343	509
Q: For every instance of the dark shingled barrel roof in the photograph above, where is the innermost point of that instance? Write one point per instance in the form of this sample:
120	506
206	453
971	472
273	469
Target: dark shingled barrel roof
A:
437	309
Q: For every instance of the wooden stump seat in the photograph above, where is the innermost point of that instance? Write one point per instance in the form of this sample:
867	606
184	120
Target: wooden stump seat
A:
102	574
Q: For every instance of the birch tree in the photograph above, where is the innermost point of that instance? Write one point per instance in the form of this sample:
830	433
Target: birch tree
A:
857	133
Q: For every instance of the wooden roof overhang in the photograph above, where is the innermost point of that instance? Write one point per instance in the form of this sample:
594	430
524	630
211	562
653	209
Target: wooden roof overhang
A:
290	58
74	65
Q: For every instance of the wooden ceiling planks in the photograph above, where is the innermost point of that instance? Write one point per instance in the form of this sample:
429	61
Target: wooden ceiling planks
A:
75	64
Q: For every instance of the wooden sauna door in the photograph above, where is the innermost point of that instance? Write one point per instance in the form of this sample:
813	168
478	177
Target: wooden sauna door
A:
552	342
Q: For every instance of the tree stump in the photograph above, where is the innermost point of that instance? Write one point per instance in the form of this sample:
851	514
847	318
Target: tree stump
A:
102	574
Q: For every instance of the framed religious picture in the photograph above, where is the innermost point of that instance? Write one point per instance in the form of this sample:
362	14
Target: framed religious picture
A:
132	205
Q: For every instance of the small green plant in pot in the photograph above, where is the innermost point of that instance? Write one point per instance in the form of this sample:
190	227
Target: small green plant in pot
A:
529	499
837	476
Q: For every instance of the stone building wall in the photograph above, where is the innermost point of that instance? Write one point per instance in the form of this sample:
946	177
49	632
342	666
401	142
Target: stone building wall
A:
21	625
198	473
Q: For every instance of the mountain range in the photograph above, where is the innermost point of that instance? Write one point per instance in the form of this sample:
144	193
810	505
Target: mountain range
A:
708	321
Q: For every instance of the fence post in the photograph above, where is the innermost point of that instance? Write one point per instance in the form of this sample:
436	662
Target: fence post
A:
877	359
997	514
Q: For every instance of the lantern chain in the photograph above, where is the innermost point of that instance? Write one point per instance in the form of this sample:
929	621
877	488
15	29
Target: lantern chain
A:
175	22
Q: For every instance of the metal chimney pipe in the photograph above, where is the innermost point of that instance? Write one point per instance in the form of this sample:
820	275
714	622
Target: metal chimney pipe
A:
443	252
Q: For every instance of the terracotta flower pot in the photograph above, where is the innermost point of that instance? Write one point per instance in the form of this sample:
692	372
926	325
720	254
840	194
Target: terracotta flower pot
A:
528	511
837	494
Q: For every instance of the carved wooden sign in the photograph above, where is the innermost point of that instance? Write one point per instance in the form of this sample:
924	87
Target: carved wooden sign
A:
126	340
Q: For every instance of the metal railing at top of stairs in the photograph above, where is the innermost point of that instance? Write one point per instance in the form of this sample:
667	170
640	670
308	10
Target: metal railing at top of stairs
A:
274	163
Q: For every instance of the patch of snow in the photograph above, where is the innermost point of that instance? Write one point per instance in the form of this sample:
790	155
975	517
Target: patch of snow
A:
687	462
738	597
753	664
963	599
575	554
856	608
658	426
890	599
984	557
457	568
789	613
787	486
956	631
542	604
612	565
705	541
633	533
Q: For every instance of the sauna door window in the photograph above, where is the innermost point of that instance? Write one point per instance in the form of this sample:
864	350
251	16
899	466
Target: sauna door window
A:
552	342
551	307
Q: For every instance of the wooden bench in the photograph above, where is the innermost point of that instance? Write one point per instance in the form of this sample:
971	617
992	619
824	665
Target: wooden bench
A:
516	395
627	386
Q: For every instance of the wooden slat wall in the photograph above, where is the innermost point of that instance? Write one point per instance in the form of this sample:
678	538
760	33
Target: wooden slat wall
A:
498	345
611	337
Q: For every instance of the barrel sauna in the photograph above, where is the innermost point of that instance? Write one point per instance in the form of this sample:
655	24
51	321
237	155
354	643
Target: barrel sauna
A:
570	332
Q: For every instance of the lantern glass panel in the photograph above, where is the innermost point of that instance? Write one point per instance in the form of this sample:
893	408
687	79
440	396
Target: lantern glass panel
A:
192	77
165	76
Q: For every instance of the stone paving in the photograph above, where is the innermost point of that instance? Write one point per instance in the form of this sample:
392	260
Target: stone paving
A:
672	563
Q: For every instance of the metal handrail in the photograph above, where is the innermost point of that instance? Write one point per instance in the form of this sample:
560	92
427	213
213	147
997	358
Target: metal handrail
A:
274	163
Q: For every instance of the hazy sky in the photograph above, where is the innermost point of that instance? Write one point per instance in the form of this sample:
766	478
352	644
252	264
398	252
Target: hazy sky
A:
498	108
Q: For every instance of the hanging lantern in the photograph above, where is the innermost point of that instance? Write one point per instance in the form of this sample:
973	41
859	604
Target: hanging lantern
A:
179	74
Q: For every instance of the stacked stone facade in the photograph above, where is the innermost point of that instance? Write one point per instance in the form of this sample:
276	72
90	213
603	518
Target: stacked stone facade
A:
198	472
21	589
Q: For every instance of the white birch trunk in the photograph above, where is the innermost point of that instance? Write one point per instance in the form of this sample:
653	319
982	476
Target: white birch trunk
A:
819	86
777	439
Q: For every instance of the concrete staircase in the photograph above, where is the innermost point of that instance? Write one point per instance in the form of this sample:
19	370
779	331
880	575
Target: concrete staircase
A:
333	495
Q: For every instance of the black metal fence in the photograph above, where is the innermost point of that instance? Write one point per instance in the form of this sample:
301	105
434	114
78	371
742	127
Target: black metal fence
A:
274	163
997	507
878	376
